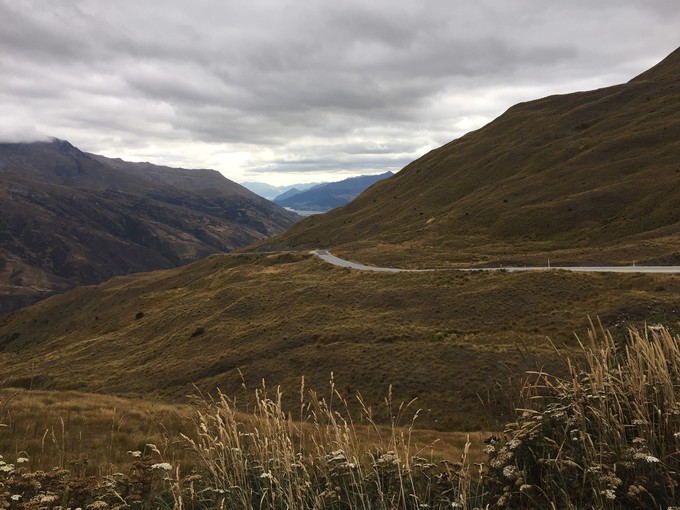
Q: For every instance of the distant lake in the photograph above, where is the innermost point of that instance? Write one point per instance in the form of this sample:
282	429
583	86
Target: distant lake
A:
304	213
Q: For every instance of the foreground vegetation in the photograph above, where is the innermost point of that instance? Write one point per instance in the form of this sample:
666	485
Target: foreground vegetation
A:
606	436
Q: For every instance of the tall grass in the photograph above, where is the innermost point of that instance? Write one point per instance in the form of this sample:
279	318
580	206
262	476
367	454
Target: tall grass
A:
607	436
318	459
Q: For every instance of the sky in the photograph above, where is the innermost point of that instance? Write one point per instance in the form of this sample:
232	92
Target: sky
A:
284	91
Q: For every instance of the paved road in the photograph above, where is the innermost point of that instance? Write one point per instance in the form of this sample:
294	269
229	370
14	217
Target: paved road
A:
332	259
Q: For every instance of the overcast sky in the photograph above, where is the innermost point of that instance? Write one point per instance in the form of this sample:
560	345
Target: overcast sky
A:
292	91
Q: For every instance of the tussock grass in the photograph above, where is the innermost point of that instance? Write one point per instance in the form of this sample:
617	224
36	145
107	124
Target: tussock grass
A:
320	460
606	436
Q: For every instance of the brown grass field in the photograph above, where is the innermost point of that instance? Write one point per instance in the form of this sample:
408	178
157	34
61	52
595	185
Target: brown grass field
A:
451	340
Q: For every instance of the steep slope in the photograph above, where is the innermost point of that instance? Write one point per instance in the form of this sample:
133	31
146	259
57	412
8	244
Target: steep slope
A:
584	177
67	218
328	196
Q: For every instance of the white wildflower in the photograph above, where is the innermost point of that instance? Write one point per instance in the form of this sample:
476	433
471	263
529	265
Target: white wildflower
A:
136	453
22	460
7	468
164	466
16	497
646	457
608	493
98	505
489	449
511	472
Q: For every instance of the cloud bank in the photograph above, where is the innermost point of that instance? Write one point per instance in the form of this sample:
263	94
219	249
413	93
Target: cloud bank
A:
289	91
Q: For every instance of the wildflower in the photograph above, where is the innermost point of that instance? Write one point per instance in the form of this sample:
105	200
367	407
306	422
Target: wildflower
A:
511	472
16	497
608	493
136	453
97	505
650	459
21	460
164	466
489	449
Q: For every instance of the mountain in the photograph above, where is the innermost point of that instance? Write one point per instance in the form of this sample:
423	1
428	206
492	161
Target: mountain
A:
287	194
447	338
69	218
263	189
587	177
328	196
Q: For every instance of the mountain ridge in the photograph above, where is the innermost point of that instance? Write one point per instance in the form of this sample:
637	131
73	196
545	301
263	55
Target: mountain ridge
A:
587	177
68	218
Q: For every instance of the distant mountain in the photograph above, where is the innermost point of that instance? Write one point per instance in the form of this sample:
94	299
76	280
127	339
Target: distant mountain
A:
263	189
69	218
287	194
588	177
328	196
272	192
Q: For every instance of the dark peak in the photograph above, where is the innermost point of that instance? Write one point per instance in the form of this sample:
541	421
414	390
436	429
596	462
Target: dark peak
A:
63	145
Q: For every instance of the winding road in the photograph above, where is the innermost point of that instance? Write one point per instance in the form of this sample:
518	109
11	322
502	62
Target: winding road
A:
327	256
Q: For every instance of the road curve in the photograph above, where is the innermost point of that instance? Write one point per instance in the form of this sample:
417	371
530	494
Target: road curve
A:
326	256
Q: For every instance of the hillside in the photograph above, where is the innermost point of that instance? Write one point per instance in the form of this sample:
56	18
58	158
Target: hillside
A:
588	177
68	218
446	337
325	197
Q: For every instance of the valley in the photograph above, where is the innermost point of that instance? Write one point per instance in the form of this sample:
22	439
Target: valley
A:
519	282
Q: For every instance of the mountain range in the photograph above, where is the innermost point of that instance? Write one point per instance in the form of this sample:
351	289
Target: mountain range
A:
324	197
69	218
271	192
583	177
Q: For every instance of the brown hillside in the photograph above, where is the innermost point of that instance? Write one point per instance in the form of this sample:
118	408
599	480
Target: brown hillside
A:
584	177
68	218
443	337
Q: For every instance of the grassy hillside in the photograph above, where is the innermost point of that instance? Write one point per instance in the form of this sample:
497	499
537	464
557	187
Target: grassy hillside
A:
445	337
68	218
588	177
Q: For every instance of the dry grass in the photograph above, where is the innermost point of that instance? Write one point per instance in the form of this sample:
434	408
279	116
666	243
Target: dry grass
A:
607	436
213	455
448	339
96	432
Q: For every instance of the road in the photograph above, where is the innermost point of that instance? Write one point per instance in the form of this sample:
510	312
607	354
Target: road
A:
326	256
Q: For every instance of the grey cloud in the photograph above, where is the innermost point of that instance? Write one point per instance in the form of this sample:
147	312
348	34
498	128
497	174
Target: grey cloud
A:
268	77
